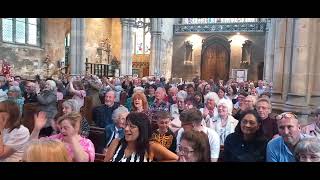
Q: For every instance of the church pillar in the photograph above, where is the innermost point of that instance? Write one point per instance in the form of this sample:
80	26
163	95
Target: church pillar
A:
77	56
155	53
126	46
269	50
294	78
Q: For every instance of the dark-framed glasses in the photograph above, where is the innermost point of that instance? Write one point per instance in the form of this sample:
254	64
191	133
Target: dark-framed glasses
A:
184	150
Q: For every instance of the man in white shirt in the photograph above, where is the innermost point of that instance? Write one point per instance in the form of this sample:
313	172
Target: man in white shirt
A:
191	120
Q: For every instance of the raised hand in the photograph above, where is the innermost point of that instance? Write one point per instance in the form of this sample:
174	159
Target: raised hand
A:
40	120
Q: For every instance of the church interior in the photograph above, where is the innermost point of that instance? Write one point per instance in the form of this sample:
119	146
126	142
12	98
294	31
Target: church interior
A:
279	51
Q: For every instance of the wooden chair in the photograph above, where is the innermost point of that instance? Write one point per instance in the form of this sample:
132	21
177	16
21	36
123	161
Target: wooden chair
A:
29	110
98	137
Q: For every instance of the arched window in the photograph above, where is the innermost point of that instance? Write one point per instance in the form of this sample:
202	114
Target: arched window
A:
24	31
217	20
142	36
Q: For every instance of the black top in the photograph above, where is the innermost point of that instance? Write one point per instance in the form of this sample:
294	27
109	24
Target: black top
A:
167	140
238	150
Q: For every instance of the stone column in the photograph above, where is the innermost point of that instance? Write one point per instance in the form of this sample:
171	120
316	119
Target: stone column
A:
126	46
294	68
269	51
77	56
280	26
155	56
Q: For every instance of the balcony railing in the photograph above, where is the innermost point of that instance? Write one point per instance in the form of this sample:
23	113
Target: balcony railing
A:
220	27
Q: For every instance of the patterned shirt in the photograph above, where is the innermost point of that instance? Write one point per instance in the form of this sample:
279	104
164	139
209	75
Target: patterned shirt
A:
167	140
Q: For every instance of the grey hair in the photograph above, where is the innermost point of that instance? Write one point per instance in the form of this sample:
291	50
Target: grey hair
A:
182	95
308	145
52	84
73	104
139	88
253	98
117	112
211	95
226	103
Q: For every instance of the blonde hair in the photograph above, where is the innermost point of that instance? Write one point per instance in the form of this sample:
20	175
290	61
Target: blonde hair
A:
73	117
46	150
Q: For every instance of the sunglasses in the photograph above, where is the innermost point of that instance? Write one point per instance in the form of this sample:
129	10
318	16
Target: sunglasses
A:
286	115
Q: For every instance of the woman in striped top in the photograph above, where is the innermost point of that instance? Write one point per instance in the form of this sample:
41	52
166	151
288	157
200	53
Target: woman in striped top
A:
137	146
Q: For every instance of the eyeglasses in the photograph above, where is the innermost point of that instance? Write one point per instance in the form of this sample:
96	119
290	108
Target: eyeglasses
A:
184	151
286	115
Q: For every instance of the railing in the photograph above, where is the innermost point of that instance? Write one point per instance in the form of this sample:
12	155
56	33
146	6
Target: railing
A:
99	69
221	27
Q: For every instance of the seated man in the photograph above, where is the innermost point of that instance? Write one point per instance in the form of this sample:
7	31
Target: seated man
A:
269	124
102	114
191	119
281	149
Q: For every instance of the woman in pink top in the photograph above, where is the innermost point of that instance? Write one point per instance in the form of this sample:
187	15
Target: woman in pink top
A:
77	89
80	149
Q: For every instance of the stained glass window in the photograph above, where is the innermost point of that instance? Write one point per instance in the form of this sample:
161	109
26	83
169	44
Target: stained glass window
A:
217	20
20	30
142	36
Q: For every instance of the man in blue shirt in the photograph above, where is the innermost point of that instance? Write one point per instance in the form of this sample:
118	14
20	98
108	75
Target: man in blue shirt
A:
281	149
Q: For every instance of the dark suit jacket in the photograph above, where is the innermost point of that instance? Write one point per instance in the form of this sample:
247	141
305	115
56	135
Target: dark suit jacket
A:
102	115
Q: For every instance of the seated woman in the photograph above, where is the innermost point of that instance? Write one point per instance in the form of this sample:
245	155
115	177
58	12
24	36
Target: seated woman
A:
14	94
308	150
139	103
247	143
224	124
13	135
116	130
71	105
136	146
176	109
45	150
80	149
194	147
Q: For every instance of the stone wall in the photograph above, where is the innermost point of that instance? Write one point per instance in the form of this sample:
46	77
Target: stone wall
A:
98	29
189	71
27	60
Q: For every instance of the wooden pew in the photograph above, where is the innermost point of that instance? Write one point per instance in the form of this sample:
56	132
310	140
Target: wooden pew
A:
98	137
29	110
86	109
99	157
220	159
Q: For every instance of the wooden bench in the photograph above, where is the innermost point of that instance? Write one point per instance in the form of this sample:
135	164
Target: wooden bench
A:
99	157
98	137
220	159
86	109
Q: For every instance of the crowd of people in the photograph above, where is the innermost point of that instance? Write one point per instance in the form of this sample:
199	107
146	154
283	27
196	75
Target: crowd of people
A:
150	119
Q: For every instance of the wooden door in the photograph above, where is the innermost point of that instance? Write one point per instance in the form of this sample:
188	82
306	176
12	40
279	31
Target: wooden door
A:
215	63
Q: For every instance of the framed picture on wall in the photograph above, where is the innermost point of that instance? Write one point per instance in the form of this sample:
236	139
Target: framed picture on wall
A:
240	75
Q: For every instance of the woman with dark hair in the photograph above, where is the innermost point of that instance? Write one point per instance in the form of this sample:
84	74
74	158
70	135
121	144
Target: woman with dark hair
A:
137	145
194	147
247	143
198	97
13	135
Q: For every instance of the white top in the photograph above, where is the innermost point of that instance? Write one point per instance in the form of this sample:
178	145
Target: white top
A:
16	139
214	141
223	132
175	124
